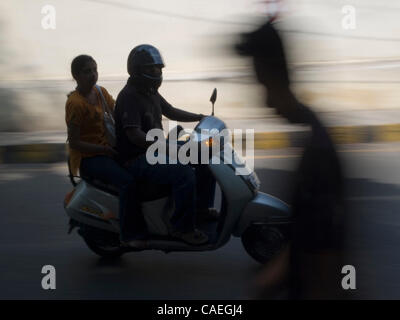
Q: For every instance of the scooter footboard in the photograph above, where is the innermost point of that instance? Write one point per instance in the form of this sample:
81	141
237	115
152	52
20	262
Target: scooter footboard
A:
264	208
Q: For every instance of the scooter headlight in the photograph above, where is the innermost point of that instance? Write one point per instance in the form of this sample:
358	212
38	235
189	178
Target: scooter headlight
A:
214	143
209	142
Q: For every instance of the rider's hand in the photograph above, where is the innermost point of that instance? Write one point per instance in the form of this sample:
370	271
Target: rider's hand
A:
110	151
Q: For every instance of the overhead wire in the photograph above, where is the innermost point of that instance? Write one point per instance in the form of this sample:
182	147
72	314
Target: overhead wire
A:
228	22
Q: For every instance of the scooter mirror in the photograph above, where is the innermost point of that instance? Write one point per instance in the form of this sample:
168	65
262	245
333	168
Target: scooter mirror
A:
213	99
214	96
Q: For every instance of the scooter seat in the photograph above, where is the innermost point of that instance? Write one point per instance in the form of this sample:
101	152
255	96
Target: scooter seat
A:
98	184
146	190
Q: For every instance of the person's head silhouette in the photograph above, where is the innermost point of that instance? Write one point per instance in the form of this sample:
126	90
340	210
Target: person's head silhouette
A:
265	46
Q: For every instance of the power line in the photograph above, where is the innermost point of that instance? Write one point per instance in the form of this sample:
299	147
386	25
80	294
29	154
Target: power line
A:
333	35
227	22
369	6
169	14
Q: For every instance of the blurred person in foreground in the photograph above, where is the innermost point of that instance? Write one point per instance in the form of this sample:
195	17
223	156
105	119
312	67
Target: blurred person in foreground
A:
310	266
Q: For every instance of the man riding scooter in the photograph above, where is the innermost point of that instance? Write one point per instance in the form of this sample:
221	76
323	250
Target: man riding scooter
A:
139	108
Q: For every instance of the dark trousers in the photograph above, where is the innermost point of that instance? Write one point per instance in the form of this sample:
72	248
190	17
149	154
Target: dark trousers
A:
109	171
193	188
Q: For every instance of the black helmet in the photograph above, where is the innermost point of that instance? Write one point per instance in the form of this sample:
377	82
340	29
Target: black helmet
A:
142	56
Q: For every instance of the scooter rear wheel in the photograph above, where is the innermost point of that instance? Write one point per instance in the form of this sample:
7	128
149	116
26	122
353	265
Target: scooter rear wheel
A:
105	251
263	242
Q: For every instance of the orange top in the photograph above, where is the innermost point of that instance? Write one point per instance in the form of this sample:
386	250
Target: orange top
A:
89	118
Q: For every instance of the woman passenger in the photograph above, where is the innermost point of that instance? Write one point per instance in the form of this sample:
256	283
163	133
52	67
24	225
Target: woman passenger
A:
89	150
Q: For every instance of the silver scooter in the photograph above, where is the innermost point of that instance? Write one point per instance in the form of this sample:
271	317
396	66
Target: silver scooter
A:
261	220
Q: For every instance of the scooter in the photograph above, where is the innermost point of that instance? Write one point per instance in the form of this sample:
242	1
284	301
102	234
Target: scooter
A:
261	220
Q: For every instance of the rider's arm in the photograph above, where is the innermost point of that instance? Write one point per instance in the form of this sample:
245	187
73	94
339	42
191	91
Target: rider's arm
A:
177	114
74	141
131	114
137	137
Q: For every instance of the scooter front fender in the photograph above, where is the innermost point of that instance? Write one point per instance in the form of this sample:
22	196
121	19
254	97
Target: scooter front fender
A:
264	208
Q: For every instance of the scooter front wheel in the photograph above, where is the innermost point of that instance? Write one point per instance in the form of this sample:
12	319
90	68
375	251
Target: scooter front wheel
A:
262	242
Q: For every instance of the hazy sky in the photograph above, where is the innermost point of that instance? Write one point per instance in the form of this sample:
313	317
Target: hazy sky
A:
191	34
195	38
184	30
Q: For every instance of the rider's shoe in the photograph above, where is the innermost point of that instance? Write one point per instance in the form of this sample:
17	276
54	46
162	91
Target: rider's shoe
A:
195	237
139	241
137	244
210	214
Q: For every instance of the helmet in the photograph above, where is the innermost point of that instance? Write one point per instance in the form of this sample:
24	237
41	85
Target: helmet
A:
140	57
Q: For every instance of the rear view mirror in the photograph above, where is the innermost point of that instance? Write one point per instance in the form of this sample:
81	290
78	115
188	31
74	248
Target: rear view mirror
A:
214	96
213	99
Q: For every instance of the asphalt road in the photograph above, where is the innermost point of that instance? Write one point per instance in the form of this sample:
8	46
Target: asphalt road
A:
34	234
